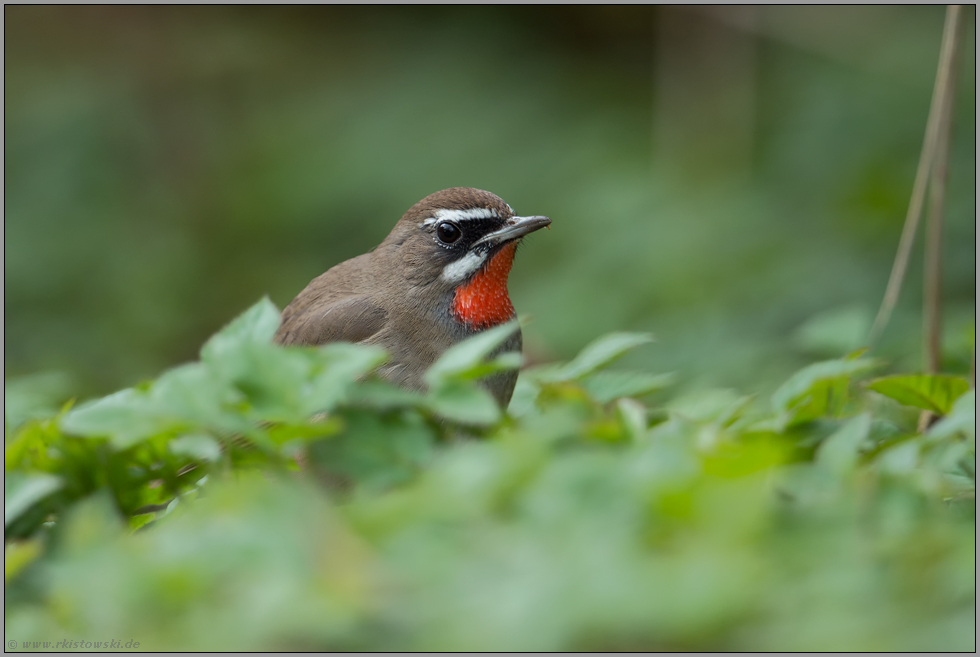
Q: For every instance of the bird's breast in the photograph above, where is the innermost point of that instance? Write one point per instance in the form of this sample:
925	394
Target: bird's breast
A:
483	301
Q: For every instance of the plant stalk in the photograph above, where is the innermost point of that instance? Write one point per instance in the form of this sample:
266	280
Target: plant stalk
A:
933	269
926	161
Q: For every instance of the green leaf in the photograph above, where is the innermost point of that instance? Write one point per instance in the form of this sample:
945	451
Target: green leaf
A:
258	324
633	416
22	491
182	398
818	389
463	402
835	332
839	452
932	392
469	354
17	555
337	367
376	450
191	395
962	418
126	417
510	360
33	397
383	396
281	434
197	446
709	405
596	355
605	386
525	395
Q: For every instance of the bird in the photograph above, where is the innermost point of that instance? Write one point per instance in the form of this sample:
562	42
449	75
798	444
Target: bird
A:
439	277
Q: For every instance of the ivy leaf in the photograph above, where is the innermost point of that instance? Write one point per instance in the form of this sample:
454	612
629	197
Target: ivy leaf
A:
932	392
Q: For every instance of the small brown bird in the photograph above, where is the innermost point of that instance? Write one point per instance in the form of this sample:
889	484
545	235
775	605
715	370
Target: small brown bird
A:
439	277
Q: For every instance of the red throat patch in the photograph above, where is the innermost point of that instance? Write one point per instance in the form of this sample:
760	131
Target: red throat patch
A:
484	302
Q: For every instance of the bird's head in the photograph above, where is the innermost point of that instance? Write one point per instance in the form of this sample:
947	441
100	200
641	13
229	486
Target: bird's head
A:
461	242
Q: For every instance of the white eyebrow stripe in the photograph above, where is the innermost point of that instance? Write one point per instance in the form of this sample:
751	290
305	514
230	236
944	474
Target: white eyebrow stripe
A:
461	215
460	269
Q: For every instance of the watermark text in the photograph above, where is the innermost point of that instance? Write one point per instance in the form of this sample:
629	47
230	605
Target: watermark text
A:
73	644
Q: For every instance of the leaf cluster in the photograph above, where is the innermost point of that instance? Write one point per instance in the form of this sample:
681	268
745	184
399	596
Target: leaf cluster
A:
287	498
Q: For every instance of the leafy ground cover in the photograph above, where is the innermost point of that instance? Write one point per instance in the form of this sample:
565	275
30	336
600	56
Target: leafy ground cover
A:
286	498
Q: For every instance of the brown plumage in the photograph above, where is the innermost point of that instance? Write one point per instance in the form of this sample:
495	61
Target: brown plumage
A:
407	294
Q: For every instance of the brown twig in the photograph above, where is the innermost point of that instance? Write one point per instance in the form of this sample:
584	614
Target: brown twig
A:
932	297
933	270
926	161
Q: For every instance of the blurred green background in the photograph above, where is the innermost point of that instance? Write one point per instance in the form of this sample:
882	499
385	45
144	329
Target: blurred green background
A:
732	179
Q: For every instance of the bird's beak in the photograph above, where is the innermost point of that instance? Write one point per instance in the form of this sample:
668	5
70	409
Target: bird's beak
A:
516	227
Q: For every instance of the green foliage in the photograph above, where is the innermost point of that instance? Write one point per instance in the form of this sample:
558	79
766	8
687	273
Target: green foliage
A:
932	392
174	513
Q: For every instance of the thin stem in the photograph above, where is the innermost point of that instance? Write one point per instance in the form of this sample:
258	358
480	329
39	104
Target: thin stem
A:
932	284
973	365
926	159
932	271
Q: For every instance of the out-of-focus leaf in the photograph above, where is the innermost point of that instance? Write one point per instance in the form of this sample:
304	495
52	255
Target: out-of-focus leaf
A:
196	445
191	395
962	417
709	405
126	417
258	324
469	354
596	355
384	396
182	398
35	396
633	416
17	555
375	451
932	392
22	491
835	332
338	365
510	360
818	389
607	385
463	402
839	452
526	391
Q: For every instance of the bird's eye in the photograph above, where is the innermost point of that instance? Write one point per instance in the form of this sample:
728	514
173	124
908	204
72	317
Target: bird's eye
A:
448	232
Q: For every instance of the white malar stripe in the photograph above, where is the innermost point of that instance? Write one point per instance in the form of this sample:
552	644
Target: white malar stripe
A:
468	264
461	215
